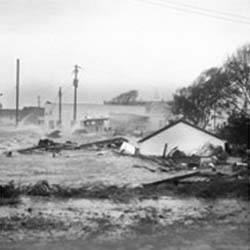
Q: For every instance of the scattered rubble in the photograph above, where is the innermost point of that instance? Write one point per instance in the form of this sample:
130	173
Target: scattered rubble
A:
174	179
127	148
110	143
51	146
186	171
145	167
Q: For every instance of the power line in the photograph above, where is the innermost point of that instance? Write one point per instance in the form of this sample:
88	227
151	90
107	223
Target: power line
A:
186	10
212	11
195	11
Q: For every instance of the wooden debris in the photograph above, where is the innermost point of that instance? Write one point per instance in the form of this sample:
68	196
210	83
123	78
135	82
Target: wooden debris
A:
114	142
145	167
51	146
155	159
210	173
48	145
195	179
29	150
174	178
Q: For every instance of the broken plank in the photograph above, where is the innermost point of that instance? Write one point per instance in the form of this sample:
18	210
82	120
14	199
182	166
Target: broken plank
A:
145	167
55	147
103	142
173	178
27	150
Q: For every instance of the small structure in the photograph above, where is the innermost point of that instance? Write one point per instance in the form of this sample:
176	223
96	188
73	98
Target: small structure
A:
94	125
180	135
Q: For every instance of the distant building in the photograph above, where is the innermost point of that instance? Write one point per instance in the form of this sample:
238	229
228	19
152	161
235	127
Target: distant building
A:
27	115
124	118
32	115
181	135
7	116
95	125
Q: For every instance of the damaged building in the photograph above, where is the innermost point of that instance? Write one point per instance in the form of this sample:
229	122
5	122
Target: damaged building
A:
181	136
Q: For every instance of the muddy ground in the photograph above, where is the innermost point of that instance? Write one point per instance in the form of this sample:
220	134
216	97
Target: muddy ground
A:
189	238
166	223
108	221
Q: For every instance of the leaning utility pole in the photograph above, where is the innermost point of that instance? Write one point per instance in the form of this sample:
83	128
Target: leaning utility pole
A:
75	84
17	89
60	107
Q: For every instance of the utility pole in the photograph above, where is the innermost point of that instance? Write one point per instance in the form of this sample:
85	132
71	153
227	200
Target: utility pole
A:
17	90
38	101
75	84
60	107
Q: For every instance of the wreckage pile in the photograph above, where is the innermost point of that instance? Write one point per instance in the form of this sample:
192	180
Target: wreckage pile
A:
48	145
189	176
175	159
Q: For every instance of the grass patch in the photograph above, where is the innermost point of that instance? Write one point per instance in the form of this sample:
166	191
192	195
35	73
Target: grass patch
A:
215	188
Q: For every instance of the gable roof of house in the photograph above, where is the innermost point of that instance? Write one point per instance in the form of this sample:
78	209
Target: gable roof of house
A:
172	125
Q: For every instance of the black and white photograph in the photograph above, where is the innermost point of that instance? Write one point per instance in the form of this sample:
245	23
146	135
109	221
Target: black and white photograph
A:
124	125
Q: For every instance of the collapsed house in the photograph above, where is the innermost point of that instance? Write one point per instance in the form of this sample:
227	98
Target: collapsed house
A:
181	136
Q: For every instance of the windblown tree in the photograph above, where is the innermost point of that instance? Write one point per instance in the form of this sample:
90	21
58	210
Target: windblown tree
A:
237	69
202	100
216	90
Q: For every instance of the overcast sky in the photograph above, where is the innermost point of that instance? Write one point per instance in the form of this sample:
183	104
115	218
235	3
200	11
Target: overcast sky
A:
121	45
